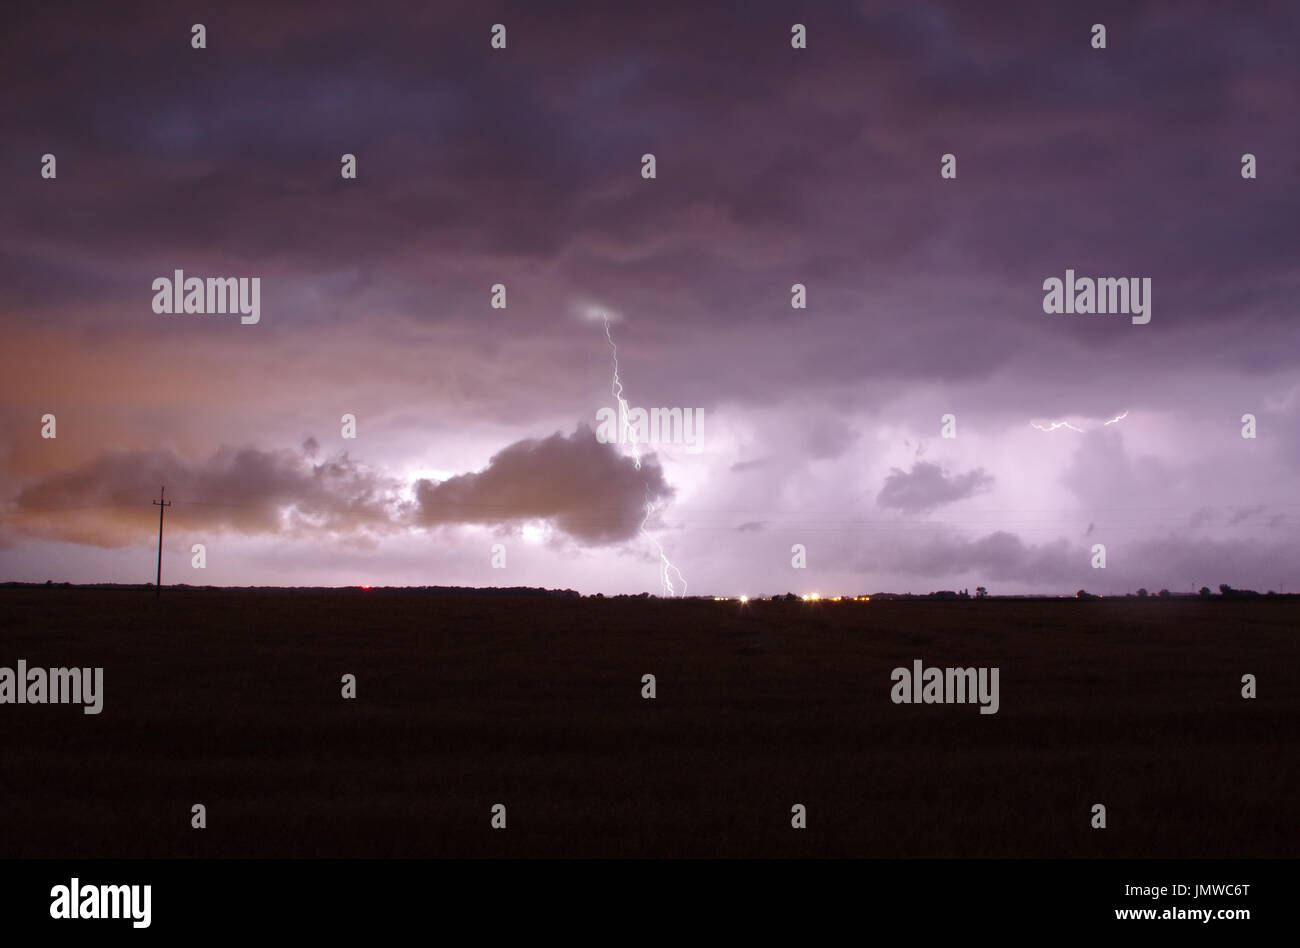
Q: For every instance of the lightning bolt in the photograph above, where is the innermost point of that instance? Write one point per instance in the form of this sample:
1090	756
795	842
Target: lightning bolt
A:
1052	426
616	388
666	568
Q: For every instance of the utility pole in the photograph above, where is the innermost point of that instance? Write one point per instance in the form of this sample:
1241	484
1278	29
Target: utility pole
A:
160	503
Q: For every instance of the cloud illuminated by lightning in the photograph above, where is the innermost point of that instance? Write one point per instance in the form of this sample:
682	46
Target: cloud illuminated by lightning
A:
666	568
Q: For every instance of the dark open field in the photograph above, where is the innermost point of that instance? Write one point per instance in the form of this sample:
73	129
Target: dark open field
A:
232	699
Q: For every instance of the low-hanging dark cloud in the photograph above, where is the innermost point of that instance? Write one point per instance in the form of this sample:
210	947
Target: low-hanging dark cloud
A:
584	487
104	501
927	486
999	556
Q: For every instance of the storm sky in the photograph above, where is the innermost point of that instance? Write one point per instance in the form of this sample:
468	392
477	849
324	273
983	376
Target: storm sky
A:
774	166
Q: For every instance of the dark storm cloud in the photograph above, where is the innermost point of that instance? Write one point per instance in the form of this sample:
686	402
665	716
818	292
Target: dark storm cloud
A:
998	556
927	486
105	501
776	165
1186	562
584	487
1245	513
1181	561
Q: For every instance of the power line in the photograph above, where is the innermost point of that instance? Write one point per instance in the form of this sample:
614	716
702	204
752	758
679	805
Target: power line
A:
162	505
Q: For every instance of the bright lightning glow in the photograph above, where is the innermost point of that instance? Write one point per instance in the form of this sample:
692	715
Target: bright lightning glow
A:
666	568
1117	418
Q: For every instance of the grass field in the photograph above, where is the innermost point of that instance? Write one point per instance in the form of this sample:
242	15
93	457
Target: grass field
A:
231	698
